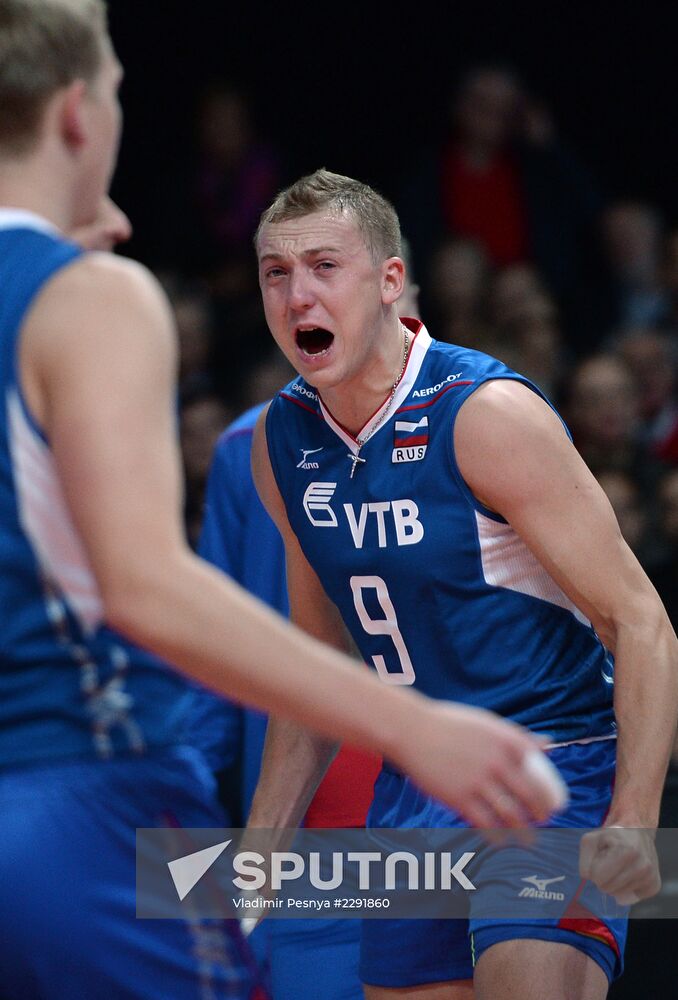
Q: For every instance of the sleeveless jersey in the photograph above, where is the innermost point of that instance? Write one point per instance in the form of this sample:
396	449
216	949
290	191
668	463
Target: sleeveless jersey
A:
68	684
436	590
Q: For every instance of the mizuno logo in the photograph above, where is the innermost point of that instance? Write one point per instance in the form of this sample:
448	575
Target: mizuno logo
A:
541	883
317	505
305	464
538	888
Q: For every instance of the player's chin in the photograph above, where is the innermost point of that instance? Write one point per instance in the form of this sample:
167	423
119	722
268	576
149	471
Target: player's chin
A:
315	350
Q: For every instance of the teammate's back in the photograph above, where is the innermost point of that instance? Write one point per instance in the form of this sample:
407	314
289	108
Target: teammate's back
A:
69	685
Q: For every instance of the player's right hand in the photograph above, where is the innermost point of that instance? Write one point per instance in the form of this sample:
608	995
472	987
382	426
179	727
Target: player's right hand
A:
481	765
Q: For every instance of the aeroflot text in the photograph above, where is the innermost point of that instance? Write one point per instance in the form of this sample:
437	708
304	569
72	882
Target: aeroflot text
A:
432	389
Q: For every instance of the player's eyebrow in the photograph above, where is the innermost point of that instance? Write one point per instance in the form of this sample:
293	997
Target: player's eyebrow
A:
313	252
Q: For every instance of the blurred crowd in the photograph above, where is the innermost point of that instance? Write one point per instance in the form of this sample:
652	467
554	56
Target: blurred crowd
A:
518	251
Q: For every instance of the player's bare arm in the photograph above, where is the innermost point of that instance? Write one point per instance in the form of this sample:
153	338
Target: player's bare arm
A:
100	380
517	459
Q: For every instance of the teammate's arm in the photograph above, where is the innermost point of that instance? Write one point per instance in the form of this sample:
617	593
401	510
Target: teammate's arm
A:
98	364
517	459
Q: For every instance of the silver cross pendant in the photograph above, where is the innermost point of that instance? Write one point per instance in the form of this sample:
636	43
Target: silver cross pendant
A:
355	459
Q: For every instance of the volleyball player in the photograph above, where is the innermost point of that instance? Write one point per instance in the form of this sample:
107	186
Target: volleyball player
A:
450	523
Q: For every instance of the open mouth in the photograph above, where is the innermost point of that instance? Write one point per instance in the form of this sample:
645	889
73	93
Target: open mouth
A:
314	342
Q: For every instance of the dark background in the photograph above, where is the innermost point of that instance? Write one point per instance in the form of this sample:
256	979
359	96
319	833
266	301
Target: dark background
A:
361	89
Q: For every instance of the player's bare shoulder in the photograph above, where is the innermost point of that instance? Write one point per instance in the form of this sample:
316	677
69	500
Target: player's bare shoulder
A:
504	413
505	437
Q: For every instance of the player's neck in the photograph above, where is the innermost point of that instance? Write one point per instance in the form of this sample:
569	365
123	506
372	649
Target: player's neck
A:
25	185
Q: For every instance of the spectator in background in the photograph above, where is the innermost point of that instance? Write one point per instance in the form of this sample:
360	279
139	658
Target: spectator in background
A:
670	278
202	420
534	335
264	380
194	317
513	291
665	577
502	179
632	233
236	175
408	303
651	356
603	413
626	501
458	277
217	191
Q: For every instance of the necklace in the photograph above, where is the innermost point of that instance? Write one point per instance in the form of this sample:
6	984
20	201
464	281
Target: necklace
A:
355	457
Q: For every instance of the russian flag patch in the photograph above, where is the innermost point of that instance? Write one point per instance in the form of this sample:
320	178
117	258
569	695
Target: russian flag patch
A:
410	440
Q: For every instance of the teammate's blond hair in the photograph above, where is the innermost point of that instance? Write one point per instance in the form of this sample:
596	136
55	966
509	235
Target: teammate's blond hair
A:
44	45
325	191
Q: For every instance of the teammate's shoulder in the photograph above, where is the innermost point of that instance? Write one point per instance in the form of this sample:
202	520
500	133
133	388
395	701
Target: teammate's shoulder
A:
240	430
101	291
247	420
100	273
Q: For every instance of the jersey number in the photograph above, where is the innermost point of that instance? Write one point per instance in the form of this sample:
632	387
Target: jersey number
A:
388	625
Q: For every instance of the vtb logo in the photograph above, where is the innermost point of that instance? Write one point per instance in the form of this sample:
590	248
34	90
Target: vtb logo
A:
394	521
317	505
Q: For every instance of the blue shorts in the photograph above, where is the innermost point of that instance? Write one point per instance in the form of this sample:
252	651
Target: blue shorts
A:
68	884
315	959
400	953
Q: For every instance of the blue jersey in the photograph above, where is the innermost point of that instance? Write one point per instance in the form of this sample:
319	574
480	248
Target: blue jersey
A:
436	590
239	537
69	686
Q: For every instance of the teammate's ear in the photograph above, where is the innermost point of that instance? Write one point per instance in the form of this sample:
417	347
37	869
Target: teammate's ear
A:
72	114
393	280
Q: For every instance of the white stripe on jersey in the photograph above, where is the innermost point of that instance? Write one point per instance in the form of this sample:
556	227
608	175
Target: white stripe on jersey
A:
507	562
46	519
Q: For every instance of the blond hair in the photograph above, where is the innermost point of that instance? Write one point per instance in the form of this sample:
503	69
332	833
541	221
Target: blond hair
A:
325	191
44	45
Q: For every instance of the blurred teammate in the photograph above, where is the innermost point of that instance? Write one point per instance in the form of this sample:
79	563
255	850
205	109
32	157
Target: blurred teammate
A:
95	573
442	510
308	958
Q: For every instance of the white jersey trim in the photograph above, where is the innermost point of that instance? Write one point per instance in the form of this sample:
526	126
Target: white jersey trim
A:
588	739
21	218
